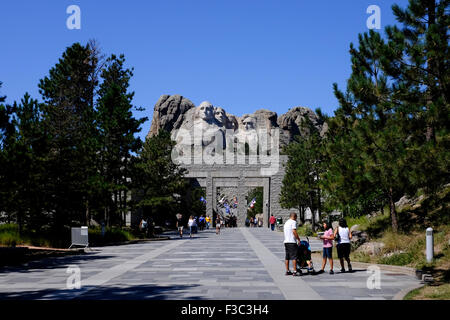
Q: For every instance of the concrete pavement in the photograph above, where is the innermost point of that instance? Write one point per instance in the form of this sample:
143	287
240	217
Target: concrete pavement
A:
238	264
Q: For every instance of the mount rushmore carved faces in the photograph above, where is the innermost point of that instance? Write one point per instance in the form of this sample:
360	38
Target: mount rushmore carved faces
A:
205	111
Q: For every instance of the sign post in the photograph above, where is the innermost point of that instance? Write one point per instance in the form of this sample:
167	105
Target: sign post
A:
430	244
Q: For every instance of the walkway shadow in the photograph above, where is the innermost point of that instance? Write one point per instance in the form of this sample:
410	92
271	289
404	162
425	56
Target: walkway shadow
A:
54	262
138	292
337	272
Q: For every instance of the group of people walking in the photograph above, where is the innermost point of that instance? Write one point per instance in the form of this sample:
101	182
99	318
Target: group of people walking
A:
341	235
253	222
197	223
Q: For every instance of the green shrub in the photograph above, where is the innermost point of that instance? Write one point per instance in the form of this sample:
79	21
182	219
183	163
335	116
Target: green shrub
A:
362	221
397	259
112	235
378	225
9	235
9	227
361	257
305	230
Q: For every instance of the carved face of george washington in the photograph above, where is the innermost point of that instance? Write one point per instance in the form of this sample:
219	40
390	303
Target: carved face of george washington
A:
205	111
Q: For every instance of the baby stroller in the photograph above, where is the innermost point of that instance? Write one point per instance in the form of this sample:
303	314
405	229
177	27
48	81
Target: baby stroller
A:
304	257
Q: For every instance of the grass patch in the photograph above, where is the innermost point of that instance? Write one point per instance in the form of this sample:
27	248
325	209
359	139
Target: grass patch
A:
9	236
362	221
360	256
441	292
399	259
408	249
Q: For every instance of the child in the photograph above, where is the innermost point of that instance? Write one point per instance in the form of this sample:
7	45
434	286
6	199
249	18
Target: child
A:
327	238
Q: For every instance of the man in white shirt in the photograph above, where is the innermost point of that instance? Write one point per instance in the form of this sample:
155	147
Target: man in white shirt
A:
291	240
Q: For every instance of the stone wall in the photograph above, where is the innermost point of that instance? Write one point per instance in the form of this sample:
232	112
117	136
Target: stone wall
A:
242	177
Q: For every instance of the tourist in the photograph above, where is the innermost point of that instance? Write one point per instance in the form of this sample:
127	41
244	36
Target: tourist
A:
192	224
291	240
218	222
179	217
143	225
327	238
208	222
272	222
343	235
255	221
195	226
202	222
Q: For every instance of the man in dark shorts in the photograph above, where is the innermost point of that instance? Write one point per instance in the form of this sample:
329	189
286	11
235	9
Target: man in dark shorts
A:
291	240
179	217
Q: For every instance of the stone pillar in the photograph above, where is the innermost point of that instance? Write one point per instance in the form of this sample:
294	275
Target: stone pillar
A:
266	202
242	203
214	195
209	196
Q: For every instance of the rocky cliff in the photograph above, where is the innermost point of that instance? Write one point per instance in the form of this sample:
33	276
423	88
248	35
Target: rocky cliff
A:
174	112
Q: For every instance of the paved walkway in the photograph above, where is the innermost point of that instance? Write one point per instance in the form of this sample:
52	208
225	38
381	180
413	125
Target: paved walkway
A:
238	264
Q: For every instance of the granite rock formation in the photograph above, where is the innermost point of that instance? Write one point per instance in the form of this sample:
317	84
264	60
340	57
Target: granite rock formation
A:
169	112
175	113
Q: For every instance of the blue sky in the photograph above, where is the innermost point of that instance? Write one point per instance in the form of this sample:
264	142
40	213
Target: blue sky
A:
240	55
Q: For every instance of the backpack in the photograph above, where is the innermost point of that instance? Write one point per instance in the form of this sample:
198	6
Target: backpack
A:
338	237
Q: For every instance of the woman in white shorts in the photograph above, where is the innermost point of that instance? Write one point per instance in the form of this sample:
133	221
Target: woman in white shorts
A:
218	222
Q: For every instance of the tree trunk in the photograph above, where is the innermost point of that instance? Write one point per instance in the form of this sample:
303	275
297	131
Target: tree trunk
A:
302	214
313	214
88	217
393	212
19	222
122	209
431	67
114	211
125	203
108	216
319	209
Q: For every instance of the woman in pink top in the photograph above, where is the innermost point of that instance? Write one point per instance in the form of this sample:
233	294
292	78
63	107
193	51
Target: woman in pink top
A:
327	238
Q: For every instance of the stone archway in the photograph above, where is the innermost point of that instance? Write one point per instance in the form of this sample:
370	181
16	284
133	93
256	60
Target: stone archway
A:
241	177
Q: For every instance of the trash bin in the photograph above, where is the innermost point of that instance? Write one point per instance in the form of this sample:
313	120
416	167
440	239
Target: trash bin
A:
80	237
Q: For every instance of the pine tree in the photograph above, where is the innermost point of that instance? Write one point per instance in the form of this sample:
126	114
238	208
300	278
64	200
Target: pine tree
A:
5	115
117	129
6	132
69	118
25	151
157	179
294	191
2	98
376	148
417	57
302	186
